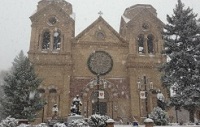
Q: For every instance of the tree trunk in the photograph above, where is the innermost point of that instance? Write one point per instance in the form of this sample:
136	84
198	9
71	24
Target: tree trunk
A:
191	111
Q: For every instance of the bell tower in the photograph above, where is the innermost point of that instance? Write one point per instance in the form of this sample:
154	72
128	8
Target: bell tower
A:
52	31
52	27
141	28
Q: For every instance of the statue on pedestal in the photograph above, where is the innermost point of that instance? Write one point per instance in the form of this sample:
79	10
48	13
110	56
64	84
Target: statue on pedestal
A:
55	111
75	107
161	100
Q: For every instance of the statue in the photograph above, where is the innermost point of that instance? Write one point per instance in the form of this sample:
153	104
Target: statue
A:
55	111
161	100
76	103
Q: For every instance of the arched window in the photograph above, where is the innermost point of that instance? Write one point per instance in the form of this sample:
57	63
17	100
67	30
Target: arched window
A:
41	92
52	95
46	40
52	100
57	40
141	43
150	39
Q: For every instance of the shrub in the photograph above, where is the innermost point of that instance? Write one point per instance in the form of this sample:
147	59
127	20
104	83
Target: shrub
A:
159	116
9	122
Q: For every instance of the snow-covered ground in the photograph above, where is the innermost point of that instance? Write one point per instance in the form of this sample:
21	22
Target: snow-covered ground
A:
61	125
158	126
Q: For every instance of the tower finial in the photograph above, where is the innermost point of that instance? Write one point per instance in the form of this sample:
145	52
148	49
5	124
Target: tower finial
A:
100	13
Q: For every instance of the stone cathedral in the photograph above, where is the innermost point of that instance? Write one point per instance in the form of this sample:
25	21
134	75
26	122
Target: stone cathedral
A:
61	59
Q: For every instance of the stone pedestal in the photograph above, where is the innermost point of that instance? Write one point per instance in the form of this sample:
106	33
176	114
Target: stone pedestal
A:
148	122
24	121
74	117
110	123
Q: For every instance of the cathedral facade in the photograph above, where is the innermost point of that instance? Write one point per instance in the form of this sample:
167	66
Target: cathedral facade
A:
62	60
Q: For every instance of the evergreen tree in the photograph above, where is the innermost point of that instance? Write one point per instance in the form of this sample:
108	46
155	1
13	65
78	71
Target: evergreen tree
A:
181	71
21	99
159	116
2	75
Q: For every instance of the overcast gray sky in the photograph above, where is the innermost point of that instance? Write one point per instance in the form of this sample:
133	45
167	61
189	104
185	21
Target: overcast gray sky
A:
15	25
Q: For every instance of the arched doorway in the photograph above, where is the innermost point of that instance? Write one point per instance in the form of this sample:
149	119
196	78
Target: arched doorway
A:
102	105
108	105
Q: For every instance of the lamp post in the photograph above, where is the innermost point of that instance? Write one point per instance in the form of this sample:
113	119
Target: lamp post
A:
98	95
144	86
99	63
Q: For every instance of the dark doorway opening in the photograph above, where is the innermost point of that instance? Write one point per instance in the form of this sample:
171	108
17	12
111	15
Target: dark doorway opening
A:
102	108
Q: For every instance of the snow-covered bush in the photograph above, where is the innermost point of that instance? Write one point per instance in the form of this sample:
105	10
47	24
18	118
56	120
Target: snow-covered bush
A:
59	125
9	122
159	116
97	120
78	123
24	125
42	125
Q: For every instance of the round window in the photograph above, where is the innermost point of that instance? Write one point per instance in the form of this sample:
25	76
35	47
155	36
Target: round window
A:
100	35
52	20
145	26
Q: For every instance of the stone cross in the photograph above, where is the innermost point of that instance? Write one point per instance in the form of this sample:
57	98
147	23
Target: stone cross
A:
100	13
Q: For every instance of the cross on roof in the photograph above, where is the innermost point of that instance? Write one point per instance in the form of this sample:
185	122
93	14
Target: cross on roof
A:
100	13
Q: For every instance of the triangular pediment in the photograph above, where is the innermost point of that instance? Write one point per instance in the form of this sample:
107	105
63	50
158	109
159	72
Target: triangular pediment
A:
51	9
100	32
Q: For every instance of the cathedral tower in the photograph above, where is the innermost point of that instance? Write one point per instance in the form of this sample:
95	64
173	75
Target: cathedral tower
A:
50	51
141	28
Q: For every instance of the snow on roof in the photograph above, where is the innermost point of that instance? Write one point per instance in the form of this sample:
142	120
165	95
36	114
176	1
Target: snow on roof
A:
148	120
110	121
126	19
73	16
54	0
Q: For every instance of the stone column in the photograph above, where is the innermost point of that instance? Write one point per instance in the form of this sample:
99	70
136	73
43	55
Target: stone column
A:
148	122
110	123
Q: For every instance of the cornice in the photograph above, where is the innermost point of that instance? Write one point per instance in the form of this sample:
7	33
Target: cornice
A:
101	44
48	53
142	65
42	63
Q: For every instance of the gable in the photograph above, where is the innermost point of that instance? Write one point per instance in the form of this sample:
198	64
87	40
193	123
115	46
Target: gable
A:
51	9
100	32
146	15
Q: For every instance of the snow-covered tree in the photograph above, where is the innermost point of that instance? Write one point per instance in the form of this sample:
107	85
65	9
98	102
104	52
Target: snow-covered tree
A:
159	116
21	99
2	75
182	69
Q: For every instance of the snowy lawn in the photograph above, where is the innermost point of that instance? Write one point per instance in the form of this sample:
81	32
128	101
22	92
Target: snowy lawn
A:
62	125
158	126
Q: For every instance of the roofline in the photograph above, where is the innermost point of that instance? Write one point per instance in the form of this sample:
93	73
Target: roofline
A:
109	27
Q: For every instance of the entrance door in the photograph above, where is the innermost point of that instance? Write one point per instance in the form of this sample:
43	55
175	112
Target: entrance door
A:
102	108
